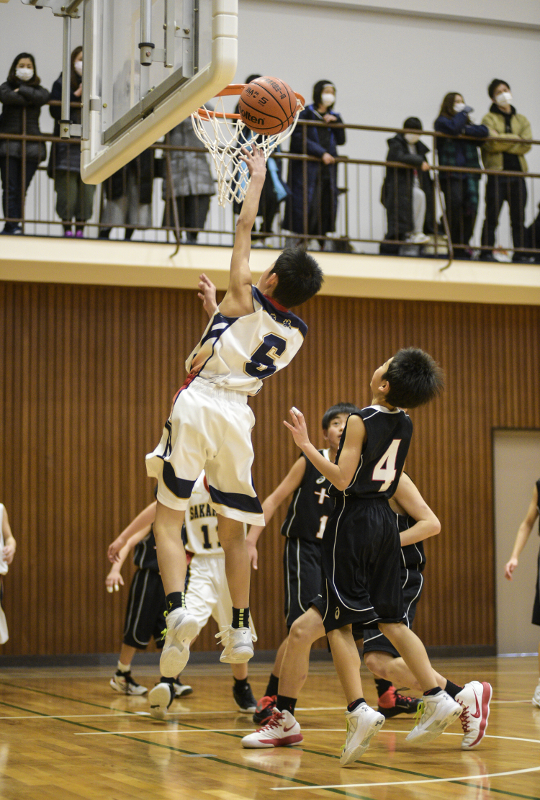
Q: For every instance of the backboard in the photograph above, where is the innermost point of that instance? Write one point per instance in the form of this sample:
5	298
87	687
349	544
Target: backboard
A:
148	64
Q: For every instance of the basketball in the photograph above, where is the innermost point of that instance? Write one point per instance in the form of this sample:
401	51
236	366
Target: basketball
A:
267	105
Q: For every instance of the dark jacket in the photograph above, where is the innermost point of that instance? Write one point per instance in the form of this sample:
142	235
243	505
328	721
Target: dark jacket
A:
29	100
143	167
459	152
294	215
64	156
397	190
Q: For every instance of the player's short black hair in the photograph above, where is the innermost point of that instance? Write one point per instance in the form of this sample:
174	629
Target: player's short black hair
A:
493	85
414	378
333	411
299	277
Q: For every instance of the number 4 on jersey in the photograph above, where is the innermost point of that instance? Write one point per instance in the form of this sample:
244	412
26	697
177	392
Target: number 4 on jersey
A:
385	468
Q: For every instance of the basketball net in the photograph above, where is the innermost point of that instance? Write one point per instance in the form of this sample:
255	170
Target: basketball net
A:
224	134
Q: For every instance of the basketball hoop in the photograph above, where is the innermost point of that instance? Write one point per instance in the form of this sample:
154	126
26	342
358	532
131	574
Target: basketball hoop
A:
224	134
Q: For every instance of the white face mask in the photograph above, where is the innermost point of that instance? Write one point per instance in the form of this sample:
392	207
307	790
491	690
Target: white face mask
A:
327	99
412	138
77	66
24	73
459	107
503	99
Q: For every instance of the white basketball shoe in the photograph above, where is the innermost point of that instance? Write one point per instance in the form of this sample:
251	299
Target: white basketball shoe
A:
474	699
281	731
536	696
237	643
362	724
437	711
181	629
160	699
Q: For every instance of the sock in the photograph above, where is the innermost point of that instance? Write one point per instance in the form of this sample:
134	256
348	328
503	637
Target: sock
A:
272	688
239	683
434	691
286	703
355	704
452	689
382	686
170	681
176	600
124	667
240	617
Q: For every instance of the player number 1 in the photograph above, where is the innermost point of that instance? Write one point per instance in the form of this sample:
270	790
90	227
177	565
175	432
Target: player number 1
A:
207	543
385	468
322	526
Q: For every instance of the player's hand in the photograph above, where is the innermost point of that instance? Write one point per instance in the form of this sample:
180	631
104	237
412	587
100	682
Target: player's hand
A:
255	161
298	428
328	158
113	553
509	568
425	166
9	552
252	552
207	293
114	580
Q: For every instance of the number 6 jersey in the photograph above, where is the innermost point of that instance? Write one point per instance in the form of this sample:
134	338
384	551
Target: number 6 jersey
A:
237	353
388	436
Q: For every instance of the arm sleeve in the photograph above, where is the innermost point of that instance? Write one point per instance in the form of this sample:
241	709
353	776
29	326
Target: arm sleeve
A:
36	95
9	97
396	152
56	94
339	133
451	125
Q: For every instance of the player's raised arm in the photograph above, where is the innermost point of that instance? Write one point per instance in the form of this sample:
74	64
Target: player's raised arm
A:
207	293
523	534
238	299
143	520
411	501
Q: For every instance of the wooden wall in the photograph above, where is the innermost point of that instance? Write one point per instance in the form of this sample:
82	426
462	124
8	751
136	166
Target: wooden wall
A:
87	376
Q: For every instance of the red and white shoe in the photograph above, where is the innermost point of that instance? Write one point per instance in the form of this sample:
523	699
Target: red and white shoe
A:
282	731
474	698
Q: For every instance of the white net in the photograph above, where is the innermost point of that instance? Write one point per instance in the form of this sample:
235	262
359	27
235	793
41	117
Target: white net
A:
224	136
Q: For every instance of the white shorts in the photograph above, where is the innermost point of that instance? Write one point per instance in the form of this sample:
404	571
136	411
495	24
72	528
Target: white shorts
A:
209	428
207	593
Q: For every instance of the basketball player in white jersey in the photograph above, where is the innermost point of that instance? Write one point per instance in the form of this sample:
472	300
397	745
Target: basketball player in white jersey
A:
249	337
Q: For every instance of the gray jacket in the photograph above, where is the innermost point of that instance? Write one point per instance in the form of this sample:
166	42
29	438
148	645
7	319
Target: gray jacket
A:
190	171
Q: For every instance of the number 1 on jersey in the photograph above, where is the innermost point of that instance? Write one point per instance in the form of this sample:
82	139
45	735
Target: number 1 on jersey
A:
385	468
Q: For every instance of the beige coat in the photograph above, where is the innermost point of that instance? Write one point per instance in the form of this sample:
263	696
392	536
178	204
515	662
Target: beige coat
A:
492	151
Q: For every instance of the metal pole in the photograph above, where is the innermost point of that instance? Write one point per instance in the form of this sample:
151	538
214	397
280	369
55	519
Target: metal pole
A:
66	80
146	45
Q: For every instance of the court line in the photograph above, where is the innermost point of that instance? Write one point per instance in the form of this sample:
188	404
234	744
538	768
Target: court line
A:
71	716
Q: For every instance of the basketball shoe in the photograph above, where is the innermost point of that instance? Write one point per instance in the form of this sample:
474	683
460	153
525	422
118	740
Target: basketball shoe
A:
181	689
474	698
124	683
160	699
391	703
264	709
536	696
435	713
244	699
237	643
181	629
282	731
362	724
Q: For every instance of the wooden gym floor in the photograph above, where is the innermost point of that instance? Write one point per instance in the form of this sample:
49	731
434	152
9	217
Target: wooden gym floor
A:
65	735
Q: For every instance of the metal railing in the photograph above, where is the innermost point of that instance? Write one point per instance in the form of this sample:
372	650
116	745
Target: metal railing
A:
361	221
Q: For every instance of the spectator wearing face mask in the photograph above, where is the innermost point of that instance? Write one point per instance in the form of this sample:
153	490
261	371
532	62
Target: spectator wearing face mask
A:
407	194
321	192
22	97
74	199
505	153
460	189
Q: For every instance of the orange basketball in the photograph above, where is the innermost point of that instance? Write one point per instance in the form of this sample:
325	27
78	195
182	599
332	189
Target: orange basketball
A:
267	105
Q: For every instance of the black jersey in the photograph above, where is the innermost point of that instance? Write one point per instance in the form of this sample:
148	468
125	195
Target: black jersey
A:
145	554
388	436
310	507
412	555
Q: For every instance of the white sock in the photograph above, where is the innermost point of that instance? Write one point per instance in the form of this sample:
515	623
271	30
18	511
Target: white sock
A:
124	667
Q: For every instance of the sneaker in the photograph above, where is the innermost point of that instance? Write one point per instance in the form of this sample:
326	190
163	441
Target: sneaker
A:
282	731
68	234
181	629
391	703
243	697
435	713
237	643
79	235
124	683
362	724
536	696
418	238
181	689
474	699
264	710
160	699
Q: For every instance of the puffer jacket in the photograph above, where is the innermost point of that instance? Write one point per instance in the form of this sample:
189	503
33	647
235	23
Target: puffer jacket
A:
190	171
492	151
64	156
28	99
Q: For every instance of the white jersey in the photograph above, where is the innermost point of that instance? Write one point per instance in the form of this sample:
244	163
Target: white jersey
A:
237	353
201	523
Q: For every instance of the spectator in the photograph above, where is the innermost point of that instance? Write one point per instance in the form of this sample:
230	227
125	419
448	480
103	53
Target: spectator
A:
22	98
321	192
505	153
407	194
460	190
74	199
128	196
192	182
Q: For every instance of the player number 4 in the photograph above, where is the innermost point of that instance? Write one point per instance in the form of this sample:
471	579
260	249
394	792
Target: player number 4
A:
385	468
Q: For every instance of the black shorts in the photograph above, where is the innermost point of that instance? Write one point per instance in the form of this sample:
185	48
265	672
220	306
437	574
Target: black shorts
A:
374	640
361	564
302	571
145	608
536	607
